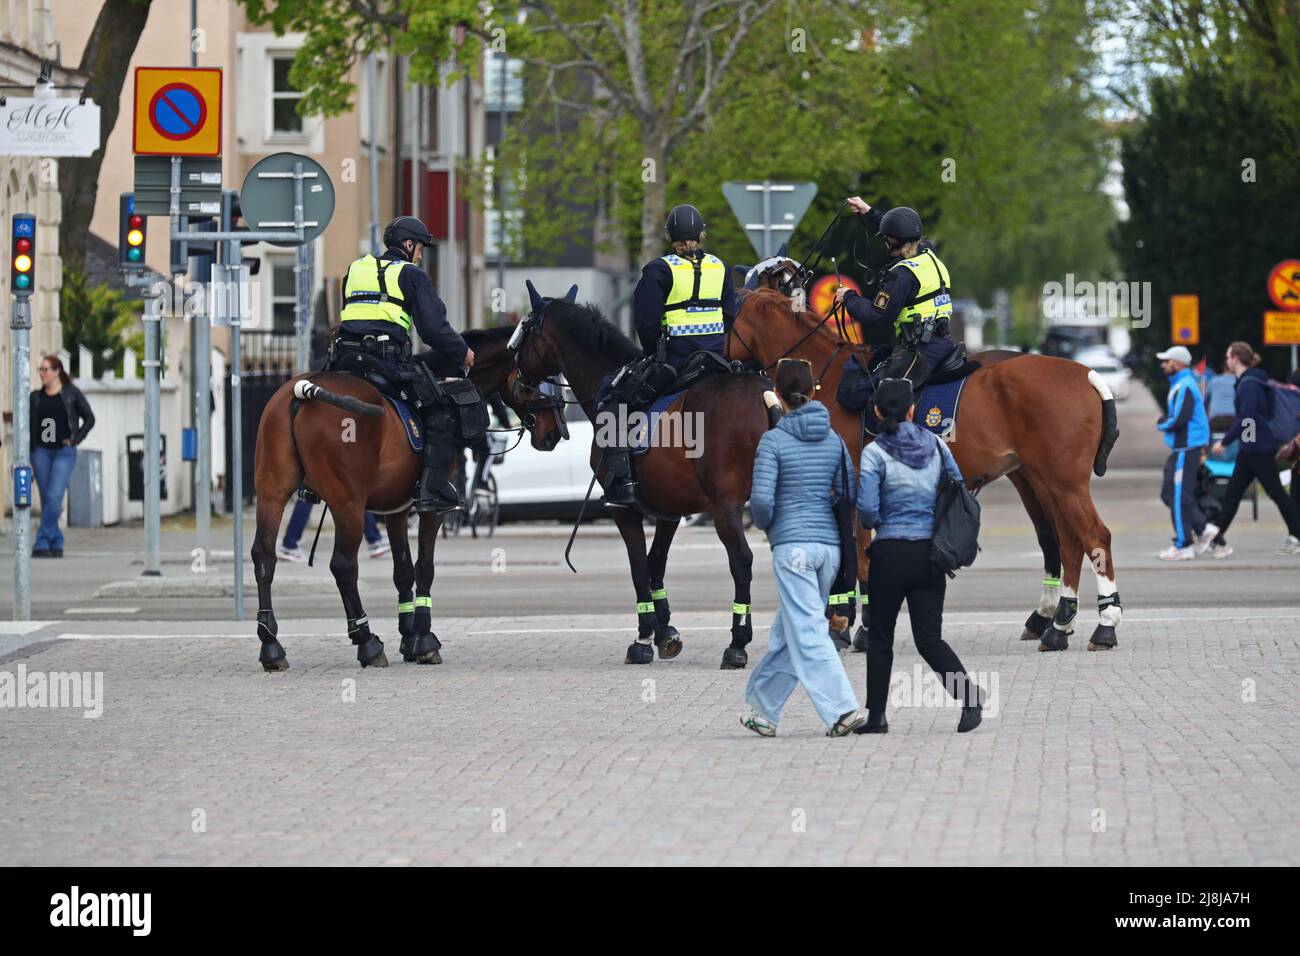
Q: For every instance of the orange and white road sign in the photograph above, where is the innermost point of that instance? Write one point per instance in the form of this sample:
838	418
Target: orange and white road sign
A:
1284	285
177	111
1282	328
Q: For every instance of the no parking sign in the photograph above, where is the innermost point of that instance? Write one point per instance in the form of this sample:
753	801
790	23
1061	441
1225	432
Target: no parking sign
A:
177	111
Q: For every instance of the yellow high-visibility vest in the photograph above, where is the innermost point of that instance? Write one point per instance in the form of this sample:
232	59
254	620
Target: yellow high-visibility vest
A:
694	305
933	297
373	293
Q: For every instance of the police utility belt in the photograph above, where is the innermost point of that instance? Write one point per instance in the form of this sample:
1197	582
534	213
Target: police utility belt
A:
381	346
922	333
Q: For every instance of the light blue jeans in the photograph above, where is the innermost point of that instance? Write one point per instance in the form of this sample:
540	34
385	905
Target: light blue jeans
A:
800	651
53	470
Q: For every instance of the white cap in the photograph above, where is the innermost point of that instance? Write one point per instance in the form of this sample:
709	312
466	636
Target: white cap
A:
1178	353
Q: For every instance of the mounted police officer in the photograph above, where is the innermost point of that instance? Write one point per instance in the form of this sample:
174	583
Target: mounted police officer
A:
383	298
914	296
680	307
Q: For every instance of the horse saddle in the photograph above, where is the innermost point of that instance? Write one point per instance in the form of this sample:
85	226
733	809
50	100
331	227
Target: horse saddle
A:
699	365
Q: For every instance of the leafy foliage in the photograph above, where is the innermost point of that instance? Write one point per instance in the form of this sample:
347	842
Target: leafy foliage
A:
98	318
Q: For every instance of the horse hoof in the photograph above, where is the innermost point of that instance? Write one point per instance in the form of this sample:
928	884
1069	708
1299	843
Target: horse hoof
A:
407	654
1103	638
860	640
1054	639
370	653
670	646
842	639
1035	627
638	653
734	659
424	649
272	657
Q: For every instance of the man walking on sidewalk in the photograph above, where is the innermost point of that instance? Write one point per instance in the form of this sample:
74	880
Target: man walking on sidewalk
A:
1186	430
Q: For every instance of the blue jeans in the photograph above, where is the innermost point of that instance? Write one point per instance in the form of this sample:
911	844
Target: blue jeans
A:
53	469
800	650
302	512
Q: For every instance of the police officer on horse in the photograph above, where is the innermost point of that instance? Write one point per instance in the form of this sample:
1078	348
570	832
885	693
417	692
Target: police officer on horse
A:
680	308
384	296
914	296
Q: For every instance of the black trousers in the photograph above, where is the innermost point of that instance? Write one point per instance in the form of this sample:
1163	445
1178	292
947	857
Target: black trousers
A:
900	570
1258	466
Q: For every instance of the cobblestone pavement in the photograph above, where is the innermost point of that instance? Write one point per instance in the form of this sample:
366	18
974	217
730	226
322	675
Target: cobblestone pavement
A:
533	743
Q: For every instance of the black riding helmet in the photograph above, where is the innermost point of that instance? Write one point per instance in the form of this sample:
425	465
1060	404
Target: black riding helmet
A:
901	223
684	222
403	228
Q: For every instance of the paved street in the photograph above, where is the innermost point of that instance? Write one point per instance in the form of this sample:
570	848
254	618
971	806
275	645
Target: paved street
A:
534	743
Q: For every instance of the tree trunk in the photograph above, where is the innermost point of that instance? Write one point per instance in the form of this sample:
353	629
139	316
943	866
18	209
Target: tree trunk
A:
653	175
105	63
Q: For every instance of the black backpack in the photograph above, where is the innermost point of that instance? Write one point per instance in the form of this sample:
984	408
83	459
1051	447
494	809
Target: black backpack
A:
956	526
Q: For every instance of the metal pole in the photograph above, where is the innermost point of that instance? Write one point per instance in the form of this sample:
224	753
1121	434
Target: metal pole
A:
417	151
767	219
373	100
21	322
201	332
501	189
302	310
234	256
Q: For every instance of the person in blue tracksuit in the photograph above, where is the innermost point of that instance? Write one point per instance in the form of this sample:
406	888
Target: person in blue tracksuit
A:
1186	429
799	470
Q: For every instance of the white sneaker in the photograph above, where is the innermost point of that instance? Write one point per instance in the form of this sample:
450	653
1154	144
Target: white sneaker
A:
1221	551
289	554
1205	539
378	549
1290	546
1172	553
759	725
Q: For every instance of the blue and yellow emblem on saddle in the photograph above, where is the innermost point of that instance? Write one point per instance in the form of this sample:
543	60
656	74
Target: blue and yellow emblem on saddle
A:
410	422
940	403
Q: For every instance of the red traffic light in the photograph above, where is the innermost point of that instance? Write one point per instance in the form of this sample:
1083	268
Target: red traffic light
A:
23	246
136	222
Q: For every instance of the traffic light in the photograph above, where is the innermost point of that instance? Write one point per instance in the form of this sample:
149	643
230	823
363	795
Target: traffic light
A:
22	251
132	230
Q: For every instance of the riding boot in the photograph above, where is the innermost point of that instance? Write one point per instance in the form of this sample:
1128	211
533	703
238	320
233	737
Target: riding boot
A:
615	476
435	492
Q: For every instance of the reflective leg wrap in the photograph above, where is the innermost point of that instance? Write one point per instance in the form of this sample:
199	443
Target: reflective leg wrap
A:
660	598
742	627
406	621
1057	637
1109	609
272	654
359	629
647	619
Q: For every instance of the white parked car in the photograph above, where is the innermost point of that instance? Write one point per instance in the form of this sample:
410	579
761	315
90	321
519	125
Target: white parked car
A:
549	484
1104	362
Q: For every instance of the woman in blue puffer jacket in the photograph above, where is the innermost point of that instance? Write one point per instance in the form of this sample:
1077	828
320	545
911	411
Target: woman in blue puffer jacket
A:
898	487
798	471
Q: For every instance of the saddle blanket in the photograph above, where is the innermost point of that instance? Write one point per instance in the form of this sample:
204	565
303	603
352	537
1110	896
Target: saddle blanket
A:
410	421
936	408
639	440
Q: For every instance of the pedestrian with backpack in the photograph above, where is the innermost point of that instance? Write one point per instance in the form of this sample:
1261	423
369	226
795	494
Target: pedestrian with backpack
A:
1256	404
898	488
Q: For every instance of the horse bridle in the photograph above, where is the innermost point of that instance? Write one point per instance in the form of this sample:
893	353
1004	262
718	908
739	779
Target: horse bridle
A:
836	312
552	391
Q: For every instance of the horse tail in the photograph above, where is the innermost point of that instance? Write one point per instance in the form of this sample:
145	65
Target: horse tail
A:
306	389
1109	423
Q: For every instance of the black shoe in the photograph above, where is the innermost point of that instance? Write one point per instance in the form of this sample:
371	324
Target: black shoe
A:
56	552
40	552
621	494
438	504
971	717
876	724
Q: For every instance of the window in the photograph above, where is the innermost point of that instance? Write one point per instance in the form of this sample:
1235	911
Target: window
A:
284	292
285	119
503	75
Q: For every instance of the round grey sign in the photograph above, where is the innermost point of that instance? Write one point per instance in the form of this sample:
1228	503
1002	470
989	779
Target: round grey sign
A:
267	196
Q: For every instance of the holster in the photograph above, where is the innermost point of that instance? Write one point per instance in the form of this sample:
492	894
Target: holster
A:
469	409
640	382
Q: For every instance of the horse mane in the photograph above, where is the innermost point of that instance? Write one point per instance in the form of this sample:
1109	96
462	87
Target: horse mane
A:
477	338
587	327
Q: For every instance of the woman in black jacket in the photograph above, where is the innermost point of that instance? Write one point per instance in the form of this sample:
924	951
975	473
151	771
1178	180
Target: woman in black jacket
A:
1257	457
60	419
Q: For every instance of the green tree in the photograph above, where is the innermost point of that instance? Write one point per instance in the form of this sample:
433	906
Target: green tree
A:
100	319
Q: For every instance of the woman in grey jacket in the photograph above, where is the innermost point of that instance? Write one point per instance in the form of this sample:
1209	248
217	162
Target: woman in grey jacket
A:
896	496
798	471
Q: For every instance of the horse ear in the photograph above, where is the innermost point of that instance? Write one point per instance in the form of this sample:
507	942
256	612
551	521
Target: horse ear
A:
533	296
572	294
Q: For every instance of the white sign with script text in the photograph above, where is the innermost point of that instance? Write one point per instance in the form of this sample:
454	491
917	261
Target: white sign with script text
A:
48	127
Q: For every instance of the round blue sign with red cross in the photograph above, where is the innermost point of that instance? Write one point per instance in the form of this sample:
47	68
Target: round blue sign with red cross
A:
177	111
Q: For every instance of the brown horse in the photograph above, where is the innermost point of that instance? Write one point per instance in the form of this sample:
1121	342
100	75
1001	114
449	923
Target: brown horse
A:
727	412
1043	422
336	433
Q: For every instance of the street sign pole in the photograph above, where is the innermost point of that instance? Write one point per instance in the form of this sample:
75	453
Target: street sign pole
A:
302	272
21	323
153	312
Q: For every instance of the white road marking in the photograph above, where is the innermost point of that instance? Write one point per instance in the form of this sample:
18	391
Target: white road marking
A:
101	610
